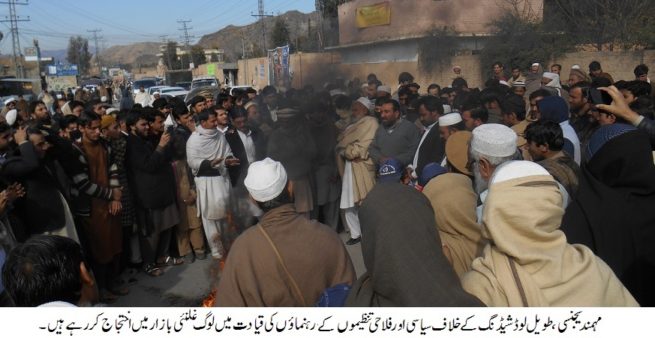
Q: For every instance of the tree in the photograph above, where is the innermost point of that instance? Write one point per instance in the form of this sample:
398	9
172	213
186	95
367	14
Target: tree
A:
329	8
520	39
170	56
328	31
280	34
437	49
198	55
610	23
78	53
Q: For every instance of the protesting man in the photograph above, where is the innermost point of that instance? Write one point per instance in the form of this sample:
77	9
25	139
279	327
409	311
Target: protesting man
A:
356	167
208	156
285	260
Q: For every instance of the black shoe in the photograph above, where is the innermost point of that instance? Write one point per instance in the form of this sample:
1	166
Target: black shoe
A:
354	241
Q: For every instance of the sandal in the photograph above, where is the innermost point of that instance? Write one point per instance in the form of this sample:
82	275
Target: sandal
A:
168	261
153	271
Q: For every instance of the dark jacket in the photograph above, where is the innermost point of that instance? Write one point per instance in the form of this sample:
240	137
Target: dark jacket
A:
238	173
431	150
128	212
648	126
294	147
42	208
150	174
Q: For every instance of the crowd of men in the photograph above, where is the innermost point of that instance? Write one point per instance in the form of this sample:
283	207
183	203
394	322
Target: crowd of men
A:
527	192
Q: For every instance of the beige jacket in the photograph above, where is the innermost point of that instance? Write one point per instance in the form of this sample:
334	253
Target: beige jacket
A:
352	145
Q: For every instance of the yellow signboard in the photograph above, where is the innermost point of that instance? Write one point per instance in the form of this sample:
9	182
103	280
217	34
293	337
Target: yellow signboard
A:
374	15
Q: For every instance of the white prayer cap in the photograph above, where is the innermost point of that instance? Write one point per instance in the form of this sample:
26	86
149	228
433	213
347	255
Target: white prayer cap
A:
11	117
9	100
518	84
504	83
111	110
494	139
365	102
575	67
517	169
536	64
365	85
550	75
447	109
249	104
103	99
156	93
384	88
266	180
450	119
457	67
59	96
335	92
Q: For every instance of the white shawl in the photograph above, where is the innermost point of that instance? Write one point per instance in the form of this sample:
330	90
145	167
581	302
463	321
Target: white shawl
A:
554	80
213	192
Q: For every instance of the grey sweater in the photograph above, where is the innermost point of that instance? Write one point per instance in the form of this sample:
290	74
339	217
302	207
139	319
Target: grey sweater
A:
398	141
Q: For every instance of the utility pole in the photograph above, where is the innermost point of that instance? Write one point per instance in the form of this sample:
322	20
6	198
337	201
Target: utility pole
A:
38	57
187	38
319	31
261	15
95	42
164	40
13	20
243	56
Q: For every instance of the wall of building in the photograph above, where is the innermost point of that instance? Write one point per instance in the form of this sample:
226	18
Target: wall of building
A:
253	72
618	64
318	68
395	51
306	69
418	17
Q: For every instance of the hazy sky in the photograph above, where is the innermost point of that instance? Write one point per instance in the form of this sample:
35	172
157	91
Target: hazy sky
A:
125	22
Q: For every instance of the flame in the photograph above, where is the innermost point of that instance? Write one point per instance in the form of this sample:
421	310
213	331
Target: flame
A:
216	269
210	299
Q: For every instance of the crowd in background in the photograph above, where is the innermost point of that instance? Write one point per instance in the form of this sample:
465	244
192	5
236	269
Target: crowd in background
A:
521	193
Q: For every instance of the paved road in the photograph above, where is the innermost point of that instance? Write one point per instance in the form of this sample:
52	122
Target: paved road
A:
188	284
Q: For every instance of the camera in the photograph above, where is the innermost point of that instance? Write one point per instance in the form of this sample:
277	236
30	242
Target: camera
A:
596	96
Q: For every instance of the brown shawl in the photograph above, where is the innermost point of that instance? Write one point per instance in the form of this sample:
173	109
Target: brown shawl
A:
352	145
313	254
454	203
103	230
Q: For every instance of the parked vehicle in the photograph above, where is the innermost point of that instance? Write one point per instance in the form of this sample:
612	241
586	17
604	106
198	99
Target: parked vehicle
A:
154	89
165	90
180	94
204	91
146	83
186	85
13	87
205	81
175	77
